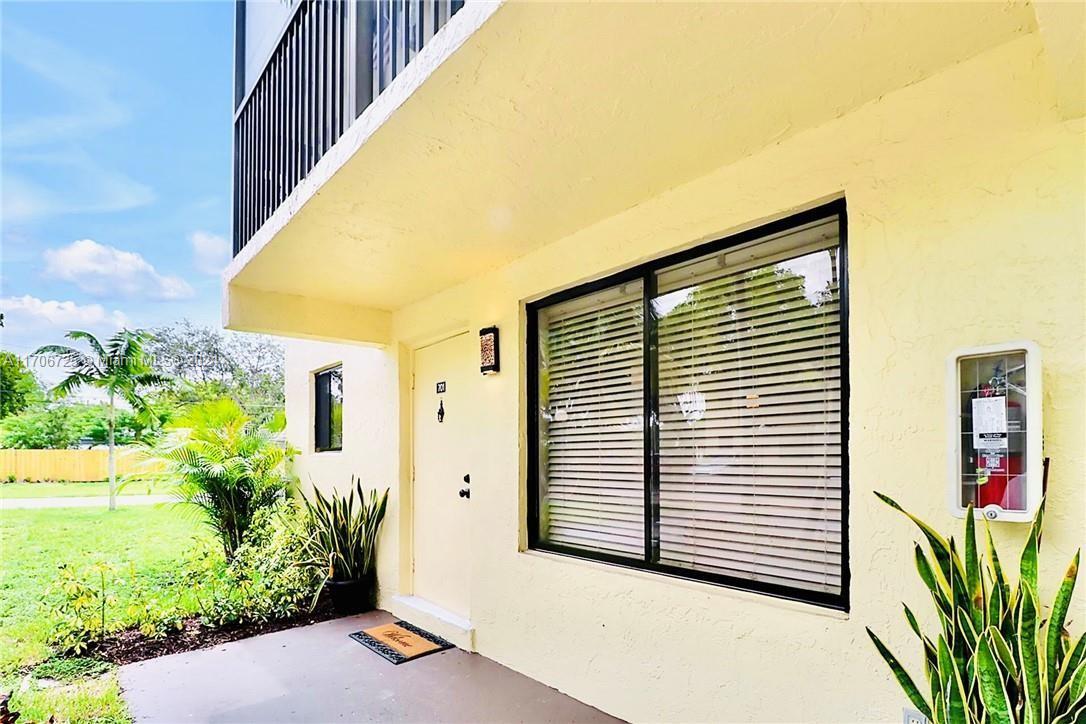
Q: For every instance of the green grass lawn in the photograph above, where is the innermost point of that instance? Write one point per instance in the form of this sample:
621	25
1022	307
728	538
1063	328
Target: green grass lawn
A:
33	543
73	490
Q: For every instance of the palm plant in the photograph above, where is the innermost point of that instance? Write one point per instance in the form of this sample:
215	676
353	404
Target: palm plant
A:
223	465
993	661
342	540
119	368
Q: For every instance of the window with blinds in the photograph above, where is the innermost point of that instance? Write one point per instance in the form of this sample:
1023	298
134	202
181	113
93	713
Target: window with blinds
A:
689	416
591	421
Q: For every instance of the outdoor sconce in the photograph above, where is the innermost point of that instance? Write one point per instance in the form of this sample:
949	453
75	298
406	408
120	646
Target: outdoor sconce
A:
994	431
489	357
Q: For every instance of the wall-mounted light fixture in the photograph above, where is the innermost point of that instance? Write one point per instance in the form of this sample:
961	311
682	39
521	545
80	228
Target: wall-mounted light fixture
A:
489	357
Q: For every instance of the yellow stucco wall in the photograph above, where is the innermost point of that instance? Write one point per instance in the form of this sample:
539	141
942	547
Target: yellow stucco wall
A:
967	225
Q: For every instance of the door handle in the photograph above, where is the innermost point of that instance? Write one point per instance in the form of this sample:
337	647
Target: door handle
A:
465	493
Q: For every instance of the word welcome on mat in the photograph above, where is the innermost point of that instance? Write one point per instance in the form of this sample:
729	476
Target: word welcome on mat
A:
399	641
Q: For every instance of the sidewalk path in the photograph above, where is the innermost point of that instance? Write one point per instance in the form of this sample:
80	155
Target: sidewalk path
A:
98	501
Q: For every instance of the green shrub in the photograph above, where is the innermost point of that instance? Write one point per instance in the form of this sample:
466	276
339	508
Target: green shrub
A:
266	579
78	616
993	660
153	608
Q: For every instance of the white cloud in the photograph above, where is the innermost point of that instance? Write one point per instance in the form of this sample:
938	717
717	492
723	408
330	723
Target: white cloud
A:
27	313
106	271
30	322
210	252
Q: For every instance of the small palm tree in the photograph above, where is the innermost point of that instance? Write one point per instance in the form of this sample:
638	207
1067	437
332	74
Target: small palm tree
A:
224	465
119	368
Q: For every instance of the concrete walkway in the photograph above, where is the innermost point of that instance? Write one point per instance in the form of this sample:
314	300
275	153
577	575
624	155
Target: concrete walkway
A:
98	501
317	674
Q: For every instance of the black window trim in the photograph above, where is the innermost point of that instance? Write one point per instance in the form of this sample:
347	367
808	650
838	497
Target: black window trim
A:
316	420
645	272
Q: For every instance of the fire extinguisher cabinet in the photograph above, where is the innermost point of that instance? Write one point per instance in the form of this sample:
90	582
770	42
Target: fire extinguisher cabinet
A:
994	431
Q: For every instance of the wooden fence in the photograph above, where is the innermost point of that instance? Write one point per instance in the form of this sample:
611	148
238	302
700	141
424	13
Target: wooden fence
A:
74	465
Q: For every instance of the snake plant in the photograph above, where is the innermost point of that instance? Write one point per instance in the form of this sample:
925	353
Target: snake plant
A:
994	659
342	539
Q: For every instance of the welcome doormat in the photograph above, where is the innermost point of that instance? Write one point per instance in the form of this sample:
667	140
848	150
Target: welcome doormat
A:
399	641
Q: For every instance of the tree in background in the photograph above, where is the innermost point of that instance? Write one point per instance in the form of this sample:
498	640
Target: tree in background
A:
119	369
50	427
247	368
19	388
62	425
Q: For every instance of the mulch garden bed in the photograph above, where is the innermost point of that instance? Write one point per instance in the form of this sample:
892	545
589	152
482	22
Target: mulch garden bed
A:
130	646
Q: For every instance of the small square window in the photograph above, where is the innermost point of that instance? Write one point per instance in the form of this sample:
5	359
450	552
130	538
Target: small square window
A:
328	410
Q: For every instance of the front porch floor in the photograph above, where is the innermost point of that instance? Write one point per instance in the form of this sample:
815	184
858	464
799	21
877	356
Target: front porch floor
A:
317	674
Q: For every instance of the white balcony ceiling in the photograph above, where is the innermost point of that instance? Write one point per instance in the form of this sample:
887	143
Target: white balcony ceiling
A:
553	116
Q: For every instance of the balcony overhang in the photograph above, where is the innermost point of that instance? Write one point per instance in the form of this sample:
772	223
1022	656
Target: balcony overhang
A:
524	122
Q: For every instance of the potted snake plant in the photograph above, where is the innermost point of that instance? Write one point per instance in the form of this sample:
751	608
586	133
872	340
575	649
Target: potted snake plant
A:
342	544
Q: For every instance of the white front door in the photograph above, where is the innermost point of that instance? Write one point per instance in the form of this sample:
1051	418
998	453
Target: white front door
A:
444	373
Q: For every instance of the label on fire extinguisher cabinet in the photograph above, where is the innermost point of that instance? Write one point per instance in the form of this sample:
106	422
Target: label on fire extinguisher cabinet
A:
990	423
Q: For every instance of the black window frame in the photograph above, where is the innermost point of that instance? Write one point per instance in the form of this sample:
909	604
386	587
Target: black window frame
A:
646	272
317	410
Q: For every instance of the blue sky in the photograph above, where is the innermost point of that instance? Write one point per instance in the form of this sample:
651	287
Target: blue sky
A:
115	168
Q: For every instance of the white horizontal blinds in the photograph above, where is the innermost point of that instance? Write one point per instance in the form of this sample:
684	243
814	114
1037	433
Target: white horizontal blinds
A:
591	400
750	411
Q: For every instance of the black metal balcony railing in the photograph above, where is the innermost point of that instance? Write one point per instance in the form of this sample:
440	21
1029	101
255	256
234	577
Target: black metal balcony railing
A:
332	59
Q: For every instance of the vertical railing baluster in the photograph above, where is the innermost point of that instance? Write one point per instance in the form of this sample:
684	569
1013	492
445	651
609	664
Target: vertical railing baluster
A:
269	135
340	94
273	128
329	72
246	206
307	86
363	55
265	155
333	75
375	66
349	62
273	140
251	160
284	117
420	16
388	48
258	180
250	153
393	24
292	112
258	157
315	58
401	33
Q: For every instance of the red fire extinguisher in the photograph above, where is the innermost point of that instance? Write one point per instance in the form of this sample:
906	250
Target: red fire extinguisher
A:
998	468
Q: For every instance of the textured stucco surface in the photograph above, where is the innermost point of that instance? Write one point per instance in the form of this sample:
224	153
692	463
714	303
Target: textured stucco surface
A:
967	225
523	122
